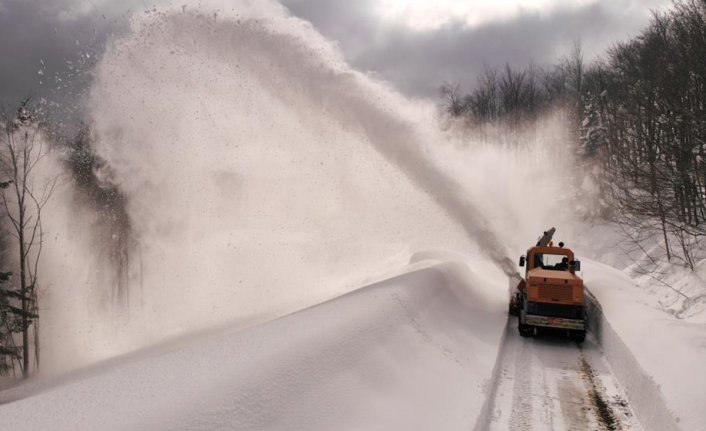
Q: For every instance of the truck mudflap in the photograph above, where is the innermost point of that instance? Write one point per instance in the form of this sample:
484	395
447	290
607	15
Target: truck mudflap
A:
555	322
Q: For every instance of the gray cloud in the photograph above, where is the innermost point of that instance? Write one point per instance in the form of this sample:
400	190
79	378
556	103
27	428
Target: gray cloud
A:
418	62
68	35
48	48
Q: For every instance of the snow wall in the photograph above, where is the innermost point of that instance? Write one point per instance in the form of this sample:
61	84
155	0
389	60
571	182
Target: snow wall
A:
260	174
642	391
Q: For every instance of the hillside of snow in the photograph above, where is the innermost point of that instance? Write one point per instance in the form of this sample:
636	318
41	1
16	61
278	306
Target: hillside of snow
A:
413	352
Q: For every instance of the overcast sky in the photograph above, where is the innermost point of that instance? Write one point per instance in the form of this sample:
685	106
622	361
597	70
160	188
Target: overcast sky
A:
420	44
415	44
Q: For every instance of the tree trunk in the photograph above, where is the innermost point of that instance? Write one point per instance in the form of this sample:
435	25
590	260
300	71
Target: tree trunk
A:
25	302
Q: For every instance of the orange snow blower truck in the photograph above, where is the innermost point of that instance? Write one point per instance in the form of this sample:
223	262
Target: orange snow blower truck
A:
551	295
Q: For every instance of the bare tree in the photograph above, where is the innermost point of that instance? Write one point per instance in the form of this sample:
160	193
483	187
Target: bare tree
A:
484	103
453	103
22	149
652	119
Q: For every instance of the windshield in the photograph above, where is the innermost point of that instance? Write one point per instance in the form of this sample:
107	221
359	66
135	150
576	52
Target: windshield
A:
557	262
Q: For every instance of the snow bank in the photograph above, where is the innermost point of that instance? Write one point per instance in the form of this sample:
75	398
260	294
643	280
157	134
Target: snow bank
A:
666	285
412	352
658	358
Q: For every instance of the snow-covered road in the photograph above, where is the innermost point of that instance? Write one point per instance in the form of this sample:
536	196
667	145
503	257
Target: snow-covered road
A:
551	383
422	350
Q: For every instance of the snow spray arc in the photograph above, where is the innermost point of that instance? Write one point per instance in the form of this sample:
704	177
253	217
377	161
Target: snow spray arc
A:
260	173
110	224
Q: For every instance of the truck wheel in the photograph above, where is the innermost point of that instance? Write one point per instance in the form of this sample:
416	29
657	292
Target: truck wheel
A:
578	336
525	330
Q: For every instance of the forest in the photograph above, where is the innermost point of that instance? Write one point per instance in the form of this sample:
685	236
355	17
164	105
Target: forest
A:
637	122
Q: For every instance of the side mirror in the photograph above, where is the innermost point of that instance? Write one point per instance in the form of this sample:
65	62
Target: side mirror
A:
577	265
522	261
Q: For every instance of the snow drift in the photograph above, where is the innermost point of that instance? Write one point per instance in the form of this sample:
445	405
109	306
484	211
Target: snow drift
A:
412	352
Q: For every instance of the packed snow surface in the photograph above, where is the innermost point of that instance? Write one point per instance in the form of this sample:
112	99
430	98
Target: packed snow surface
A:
548	383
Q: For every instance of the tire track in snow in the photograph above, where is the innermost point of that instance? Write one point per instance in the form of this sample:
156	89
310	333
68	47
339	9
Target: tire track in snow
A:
521	418
552	384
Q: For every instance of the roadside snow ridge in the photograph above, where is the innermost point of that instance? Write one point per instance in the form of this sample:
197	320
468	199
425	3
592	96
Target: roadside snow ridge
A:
413	352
